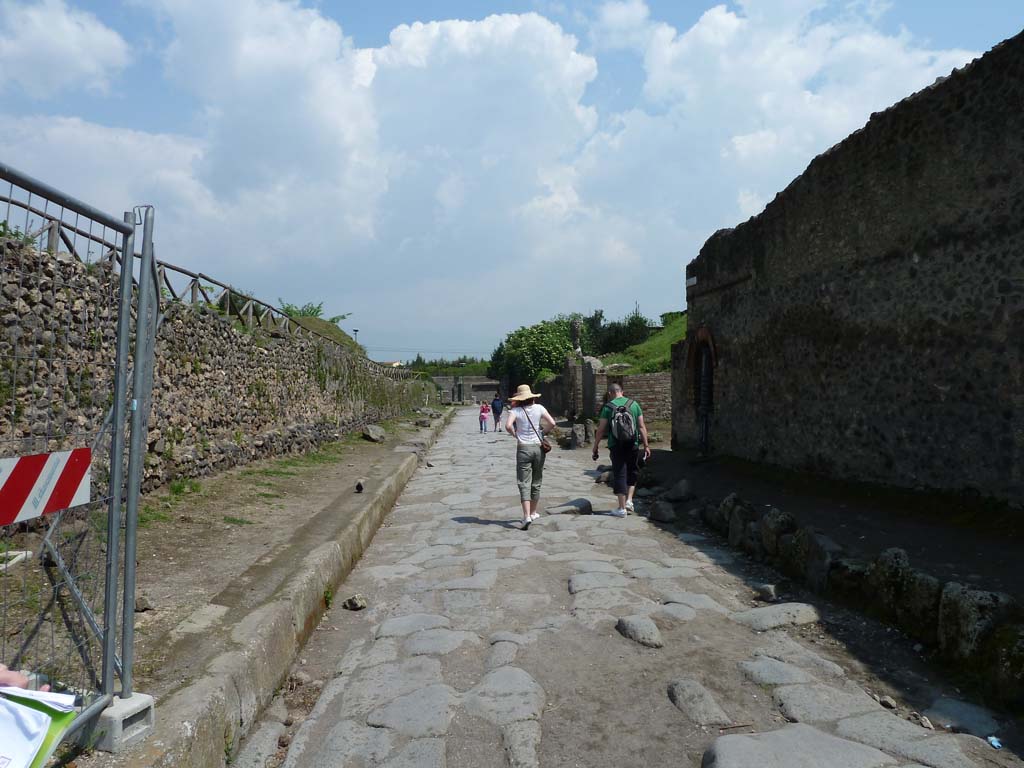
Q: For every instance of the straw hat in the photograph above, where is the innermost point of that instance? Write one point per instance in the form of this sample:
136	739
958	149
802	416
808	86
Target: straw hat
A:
523	392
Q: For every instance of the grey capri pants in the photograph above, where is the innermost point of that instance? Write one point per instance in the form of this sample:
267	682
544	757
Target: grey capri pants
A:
529	470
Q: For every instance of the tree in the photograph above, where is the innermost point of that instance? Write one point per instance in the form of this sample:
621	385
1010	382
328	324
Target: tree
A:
309	309
527	351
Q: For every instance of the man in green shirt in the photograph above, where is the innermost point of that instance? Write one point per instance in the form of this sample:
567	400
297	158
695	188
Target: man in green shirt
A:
622	420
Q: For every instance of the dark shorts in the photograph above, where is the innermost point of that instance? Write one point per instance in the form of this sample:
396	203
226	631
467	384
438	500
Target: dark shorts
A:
624	469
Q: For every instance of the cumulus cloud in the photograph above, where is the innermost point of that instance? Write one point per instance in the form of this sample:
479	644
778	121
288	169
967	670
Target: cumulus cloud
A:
46	47
463	170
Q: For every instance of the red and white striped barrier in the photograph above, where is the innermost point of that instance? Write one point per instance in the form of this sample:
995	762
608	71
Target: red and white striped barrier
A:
36	485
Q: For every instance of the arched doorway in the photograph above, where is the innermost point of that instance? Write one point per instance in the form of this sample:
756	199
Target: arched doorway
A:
701	363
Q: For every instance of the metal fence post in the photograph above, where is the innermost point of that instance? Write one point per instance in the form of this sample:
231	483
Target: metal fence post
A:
117	461
145	327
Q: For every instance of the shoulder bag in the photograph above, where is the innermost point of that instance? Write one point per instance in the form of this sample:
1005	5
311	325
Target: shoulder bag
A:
545	444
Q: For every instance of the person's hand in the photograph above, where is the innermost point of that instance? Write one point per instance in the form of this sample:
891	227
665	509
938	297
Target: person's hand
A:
594	454
647	453
15	679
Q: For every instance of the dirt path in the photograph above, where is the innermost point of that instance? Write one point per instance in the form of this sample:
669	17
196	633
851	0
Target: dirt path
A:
585	641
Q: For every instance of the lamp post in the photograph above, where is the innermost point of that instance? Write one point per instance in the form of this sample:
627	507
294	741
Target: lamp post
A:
356	332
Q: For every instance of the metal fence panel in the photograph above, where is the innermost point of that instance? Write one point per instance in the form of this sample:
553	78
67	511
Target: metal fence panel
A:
65	328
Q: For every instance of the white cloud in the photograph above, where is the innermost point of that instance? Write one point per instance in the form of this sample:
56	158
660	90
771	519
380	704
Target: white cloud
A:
46	47
460	171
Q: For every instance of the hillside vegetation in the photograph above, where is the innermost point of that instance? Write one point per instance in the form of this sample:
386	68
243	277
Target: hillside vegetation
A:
654	354
331	331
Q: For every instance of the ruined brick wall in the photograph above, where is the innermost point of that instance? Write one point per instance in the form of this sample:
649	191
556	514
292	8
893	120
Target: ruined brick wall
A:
652	390
221	397
869	323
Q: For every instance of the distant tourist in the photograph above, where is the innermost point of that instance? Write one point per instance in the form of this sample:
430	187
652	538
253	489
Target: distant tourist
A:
527	421
485	415
622	420
497	406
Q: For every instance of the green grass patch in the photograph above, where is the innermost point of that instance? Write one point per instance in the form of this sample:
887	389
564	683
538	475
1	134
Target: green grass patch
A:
266	495
331	331
654	354
149	515
236	520
268	472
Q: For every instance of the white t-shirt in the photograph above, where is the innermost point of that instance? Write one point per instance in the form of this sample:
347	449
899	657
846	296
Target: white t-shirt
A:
524	432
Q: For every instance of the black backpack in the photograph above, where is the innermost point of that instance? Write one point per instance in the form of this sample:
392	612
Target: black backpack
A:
623	424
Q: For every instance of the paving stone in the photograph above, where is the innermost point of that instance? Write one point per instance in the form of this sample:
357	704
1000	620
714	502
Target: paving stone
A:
663	572
817	702
781	646
633	564
421	753
360	657
604	599
520	741
501	654
437	641
460	498
372	687
765	670
429	553
593	566
512	637
773	616
350	743
674	612
583	581
695	600
694	701
682	562
580	554
414	622
795	746
904	739
389	572
640	629
574	507
416	715
482	580
496	564
527	553
505	695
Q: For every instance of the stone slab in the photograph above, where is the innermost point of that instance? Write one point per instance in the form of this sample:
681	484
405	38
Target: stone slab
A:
580	582
696	702
640	629
773	616
506	695
819	703
795	746
904	739
765	670
420	714
401	626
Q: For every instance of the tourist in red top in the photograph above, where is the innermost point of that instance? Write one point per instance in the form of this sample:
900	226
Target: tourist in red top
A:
485	414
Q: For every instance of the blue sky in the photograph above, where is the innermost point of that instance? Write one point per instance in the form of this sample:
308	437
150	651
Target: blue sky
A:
451	180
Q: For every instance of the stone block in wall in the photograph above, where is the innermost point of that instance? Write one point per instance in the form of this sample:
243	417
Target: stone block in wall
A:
751	543
1003	659
917	608
774	524
847	580
966	616
739	516
662	512
792	557
578	436
886	579
822	552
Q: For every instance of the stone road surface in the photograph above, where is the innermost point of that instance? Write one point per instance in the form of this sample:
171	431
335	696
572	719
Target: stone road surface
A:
585	641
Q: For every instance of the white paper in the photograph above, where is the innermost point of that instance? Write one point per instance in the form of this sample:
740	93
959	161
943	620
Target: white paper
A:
22	731
62	702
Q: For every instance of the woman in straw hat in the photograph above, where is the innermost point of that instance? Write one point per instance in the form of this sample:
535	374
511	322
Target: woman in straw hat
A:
528	421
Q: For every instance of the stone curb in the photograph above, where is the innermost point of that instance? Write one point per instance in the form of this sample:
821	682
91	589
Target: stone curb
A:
201	725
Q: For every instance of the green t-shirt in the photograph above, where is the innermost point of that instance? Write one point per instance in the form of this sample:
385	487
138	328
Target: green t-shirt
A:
607	412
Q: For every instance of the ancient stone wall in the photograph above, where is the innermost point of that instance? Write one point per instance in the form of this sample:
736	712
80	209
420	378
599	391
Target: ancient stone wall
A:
579	390
222	396
652	390
869	323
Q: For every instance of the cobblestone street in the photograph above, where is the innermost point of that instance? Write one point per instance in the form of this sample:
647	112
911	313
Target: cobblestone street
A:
585	641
